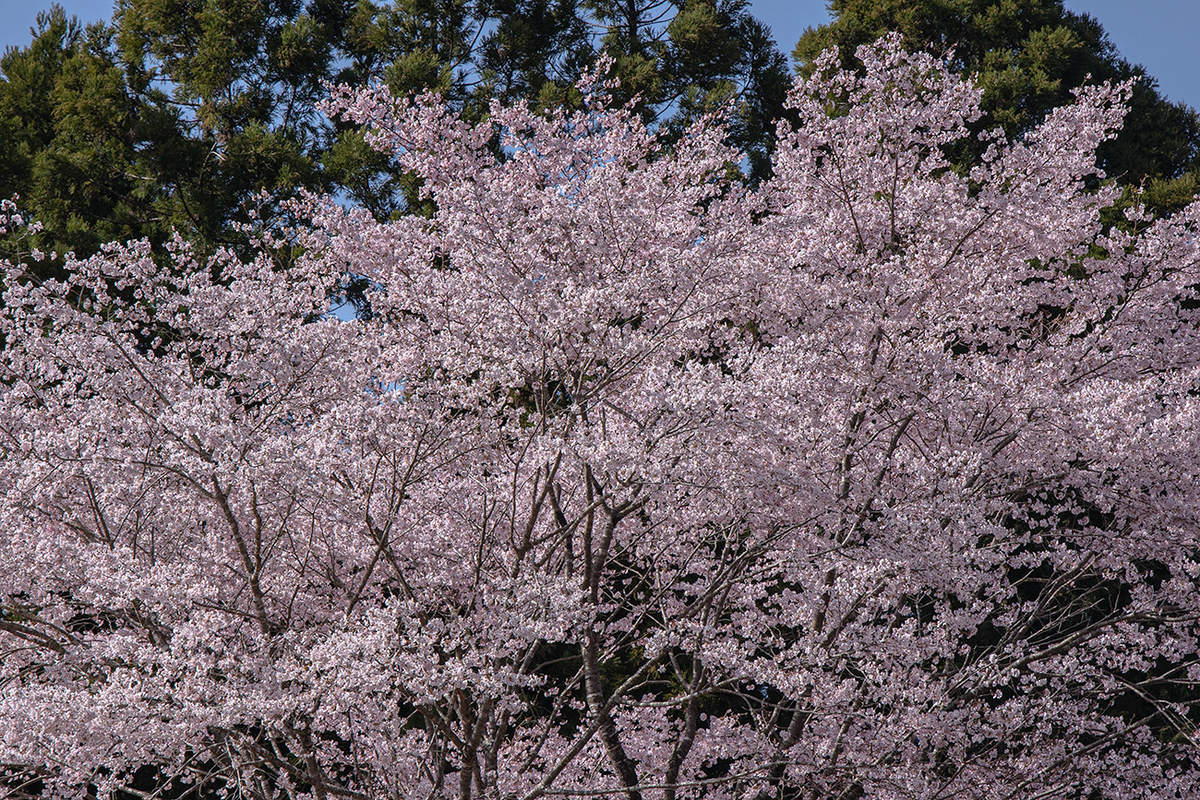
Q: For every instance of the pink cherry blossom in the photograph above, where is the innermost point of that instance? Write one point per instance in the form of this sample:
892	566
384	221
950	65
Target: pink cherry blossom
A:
878	480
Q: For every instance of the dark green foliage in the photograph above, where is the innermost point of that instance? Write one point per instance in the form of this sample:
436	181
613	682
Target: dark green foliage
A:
708	54
70	137
537	51
1027	56
235	85
185	114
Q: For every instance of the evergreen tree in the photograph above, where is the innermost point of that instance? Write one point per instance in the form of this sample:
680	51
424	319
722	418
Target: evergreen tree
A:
71	139
694	58
537	50
182	114
1027	56
239	82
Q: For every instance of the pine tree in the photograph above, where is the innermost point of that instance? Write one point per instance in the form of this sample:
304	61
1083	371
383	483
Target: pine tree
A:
1027	56
70	139
184	114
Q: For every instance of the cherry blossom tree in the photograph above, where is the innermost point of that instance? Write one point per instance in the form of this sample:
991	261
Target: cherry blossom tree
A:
875	481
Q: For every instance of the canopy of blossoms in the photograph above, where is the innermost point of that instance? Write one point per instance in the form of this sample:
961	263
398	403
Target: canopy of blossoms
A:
877	480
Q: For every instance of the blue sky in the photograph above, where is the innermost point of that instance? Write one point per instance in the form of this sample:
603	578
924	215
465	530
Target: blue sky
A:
1159	34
